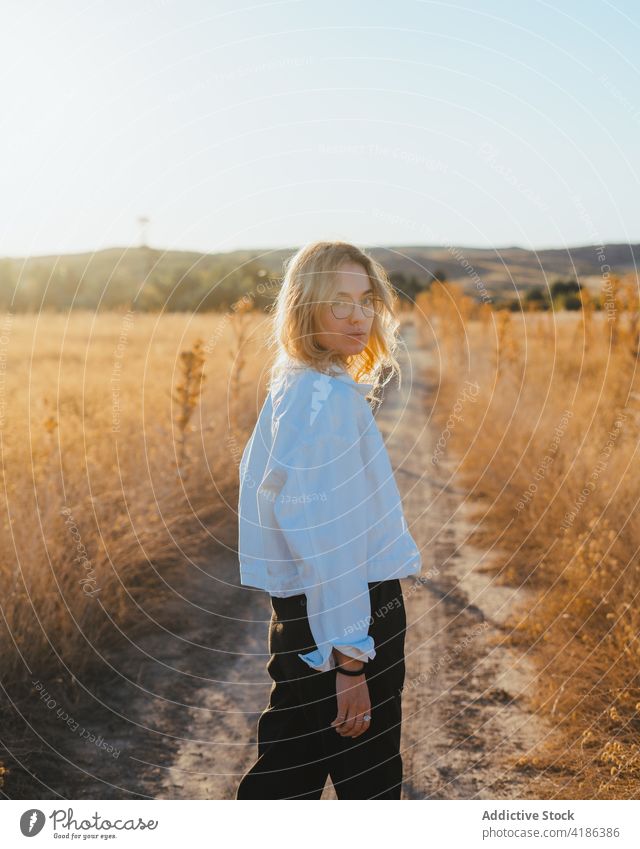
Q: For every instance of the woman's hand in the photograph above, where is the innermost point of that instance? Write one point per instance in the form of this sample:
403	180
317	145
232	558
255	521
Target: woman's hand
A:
352	694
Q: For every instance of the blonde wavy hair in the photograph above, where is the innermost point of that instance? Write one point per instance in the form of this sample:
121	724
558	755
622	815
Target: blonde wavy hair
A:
309	282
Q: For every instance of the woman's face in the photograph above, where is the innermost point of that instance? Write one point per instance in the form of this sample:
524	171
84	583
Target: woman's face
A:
348	335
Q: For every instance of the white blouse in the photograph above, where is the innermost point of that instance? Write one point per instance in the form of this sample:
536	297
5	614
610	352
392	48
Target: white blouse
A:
319	509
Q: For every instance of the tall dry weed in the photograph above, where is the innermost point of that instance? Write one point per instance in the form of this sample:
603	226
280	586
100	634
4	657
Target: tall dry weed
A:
549	457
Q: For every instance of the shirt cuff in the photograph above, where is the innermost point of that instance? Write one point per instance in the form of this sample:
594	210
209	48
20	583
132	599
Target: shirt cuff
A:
322	660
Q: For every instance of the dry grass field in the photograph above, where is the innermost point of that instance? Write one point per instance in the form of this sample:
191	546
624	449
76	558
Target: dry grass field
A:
121	436
542	415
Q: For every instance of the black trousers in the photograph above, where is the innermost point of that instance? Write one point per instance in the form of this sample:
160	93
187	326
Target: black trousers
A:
297	747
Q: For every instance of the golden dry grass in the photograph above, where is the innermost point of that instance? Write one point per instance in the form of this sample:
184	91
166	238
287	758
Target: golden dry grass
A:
118	459
121	437
548	449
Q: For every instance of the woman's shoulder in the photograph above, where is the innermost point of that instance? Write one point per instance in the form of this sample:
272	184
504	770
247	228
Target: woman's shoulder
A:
313	400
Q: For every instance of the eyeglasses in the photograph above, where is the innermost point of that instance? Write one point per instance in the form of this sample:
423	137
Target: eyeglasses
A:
369	305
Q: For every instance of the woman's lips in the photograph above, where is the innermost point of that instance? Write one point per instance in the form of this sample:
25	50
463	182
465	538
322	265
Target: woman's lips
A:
357	335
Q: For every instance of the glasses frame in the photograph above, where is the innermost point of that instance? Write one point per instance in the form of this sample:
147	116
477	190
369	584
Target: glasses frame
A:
376	307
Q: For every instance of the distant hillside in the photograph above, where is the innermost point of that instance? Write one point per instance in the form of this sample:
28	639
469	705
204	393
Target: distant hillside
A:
503	270
183	280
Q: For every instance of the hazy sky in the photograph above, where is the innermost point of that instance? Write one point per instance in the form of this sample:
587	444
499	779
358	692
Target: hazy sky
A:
270	124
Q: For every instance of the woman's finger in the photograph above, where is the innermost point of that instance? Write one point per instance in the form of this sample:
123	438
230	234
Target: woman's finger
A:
361	724
347	725
343	711
364	725
339	718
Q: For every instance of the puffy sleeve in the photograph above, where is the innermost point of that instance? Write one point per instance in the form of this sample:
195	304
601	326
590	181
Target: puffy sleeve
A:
321	509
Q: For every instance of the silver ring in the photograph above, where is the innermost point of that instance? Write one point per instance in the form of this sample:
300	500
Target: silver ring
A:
366	717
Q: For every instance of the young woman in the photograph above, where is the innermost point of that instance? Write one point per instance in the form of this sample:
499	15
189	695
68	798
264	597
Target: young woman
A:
322	530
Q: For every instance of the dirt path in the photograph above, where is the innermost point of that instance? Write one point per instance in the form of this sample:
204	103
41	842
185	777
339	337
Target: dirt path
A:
464	715
463	712
183	703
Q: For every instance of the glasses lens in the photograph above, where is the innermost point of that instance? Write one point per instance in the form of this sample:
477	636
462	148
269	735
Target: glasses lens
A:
372	306
341	309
